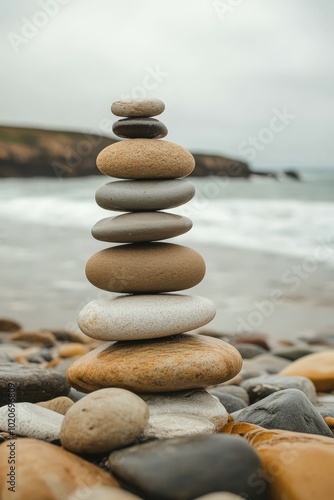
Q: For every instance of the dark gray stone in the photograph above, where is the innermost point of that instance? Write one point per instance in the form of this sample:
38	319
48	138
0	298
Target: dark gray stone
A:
230	402
31	384
9	351
295	352
261	387
76	395
140	227
264	362
325	409
234	390
288	410
139	196
186	468
249	351
140	128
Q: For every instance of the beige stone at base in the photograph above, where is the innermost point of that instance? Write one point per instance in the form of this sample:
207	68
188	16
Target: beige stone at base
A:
45	471
104	420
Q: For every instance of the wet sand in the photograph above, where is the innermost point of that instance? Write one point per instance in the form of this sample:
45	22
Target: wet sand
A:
43	285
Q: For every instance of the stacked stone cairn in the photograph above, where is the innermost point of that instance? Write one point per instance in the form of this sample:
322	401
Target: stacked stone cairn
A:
148	350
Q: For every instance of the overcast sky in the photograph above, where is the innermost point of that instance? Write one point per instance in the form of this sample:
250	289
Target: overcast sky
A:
252	79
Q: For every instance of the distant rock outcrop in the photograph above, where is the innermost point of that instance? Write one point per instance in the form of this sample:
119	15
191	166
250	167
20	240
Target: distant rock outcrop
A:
27	152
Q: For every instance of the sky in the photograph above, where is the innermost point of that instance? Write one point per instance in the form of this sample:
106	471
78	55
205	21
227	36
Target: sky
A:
251	79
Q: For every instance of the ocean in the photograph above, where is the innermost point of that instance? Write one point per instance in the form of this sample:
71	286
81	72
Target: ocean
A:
45	239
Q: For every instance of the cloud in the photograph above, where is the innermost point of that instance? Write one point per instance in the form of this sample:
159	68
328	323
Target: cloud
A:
223	75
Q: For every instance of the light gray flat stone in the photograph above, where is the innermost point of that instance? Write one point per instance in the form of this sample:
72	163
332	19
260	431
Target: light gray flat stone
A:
138	196
172	425
138	107
140	227
185	413
32	421
136	317
260	387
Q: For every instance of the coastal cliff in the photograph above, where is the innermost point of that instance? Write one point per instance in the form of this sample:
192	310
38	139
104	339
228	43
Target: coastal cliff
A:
28	152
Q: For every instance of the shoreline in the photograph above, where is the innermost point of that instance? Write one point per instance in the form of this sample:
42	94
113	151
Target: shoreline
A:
243	284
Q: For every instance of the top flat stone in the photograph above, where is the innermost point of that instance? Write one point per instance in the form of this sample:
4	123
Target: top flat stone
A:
145	159
137	107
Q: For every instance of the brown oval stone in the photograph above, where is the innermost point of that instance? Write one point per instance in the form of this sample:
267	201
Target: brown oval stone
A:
140	227
298	465
48	472
146	268
158	365
318	367
145	159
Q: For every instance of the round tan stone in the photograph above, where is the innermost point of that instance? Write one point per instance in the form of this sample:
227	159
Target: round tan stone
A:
104	420
72	349
318	367
141	227
142	107
48	472
146	268
145	159
59	405
160	365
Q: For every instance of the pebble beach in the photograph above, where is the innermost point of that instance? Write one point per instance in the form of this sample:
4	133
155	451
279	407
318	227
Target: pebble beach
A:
200	367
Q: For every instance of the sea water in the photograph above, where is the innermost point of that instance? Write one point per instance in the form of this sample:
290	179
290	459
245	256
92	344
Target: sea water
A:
250	232
279	216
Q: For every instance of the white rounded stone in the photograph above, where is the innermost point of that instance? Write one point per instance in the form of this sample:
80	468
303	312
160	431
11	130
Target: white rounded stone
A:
185	413
173	425
32	421
135	317
104	420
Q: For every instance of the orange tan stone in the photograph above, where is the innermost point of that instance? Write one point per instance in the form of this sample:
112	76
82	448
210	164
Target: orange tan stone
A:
146	268
48	472
298	466
145	159
159	365
318	367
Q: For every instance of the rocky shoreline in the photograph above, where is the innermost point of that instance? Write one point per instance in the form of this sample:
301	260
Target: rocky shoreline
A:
280	405
28	152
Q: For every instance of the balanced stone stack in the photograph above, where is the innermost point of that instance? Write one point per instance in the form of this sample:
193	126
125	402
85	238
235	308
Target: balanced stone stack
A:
148	349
